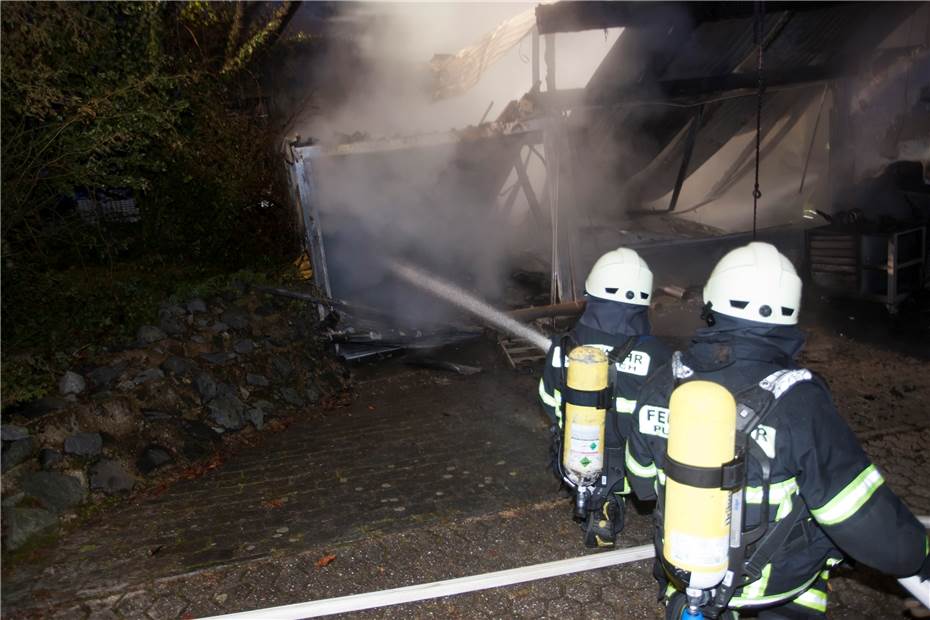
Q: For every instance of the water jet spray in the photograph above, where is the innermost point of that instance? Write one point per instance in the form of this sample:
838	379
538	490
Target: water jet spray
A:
455	295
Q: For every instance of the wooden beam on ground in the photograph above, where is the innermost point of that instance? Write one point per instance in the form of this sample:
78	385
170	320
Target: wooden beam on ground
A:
569	308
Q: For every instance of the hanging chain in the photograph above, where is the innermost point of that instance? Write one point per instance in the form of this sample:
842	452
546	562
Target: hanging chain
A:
759	35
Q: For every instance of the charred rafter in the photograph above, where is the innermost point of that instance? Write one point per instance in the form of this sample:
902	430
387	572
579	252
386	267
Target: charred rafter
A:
577	16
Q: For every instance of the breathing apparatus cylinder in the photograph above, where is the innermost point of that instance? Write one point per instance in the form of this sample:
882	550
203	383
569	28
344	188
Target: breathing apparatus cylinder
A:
696	528
583	439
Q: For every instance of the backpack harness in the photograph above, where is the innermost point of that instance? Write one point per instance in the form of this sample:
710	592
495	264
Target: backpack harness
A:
613	471
750	550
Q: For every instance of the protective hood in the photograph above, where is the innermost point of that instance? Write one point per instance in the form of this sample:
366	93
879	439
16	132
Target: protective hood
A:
615	318
731	339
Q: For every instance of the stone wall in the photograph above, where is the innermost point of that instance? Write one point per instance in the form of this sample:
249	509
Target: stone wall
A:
211	373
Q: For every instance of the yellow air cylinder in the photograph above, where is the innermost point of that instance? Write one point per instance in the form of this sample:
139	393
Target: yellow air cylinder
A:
583	450
702	430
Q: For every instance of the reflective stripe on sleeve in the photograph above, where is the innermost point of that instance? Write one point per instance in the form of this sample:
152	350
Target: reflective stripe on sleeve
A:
845	503
544	396
625	405
633	466
812	599
781	494
741	601
778	491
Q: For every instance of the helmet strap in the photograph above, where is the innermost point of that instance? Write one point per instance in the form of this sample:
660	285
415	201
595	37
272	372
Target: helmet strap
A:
707	315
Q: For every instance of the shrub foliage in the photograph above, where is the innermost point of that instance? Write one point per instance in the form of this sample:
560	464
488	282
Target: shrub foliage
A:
161	98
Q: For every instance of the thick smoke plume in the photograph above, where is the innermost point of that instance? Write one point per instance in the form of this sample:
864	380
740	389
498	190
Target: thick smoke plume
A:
433	206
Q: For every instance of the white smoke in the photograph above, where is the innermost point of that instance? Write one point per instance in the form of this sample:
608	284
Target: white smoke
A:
433	206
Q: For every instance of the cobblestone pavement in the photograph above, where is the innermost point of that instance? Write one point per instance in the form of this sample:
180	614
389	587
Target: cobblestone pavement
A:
531	534
426	476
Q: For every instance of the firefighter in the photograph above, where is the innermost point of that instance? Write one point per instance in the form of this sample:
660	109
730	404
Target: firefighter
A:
834	500
618	291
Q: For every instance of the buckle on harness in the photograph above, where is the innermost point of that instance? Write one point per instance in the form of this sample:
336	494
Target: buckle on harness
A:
733	474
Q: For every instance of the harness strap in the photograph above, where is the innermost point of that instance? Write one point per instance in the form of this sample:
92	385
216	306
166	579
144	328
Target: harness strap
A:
773	541
599	399
730	476
618	354
751	570
754	404
585	398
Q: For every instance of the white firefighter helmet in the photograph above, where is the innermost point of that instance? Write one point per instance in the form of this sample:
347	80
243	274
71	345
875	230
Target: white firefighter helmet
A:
755	282
621	275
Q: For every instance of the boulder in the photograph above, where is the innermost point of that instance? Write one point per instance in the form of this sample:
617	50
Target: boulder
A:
196	305
235	318
116	417
71	383
149	334
153	457
49	458
227	390
24	523
84	444
256	417
258	380
219	327
9	432
15	452
171	325
313	394
227	412
171	310
56	492
282	367
219	358
12	500
290	396
110	477
149	374
265	406
179	366
105	376
205	386
244	346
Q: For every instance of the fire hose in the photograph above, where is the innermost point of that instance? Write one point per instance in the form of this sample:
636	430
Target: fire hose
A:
449	587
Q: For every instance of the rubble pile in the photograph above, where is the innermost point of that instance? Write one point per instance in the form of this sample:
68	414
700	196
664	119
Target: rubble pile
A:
208	375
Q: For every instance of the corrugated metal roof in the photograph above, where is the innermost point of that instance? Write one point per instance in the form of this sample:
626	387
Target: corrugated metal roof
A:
678	50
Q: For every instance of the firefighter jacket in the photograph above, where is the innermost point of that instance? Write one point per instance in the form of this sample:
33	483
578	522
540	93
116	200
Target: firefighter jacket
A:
846	508
606	325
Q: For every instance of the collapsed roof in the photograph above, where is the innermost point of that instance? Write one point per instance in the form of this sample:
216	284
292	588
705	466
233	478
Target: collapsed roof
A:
695	64
679	86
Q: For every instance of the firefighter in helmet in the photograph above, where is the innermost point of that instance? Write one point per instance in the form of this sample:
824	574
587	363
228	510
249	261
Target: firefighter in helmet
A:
807	486
618	291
